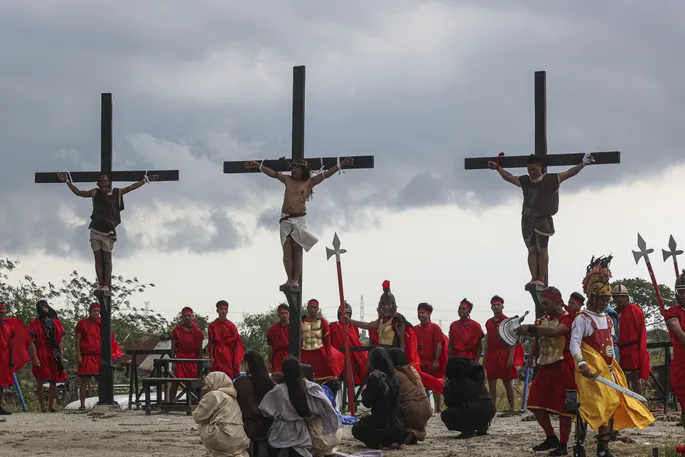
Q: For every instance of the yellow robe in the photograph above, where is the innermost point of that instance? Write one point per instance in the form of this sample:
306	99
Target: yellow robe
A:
599	403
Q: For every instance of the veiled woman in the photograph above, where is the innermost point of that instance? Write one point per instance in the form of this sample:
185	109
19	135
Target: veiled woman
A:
251	391
219	419
414	403
384	427
470	407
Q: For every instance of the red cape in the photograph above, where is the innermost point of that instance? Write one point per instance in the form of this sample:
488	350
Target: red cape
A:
20	343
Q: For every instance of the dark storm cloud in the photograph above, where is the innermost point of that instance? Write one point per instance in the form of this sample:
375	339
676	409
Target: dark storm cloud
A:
419	85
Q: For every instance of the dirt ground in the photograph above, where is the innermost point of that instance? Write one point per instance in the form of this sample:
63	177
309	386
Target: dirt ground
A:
131	433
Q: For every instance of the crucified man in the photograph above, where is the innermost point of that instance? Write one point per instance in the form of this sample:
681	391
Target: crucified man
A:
540	203
108	204
298	190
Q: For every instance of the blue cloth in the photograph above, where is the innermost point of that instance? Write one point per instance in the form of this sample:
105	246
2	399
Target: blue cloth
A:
345	420
613	315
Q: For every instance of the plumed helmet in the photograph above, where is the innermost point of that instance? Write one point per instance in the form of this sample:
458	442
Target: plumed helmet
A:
680	282
619	290
597	276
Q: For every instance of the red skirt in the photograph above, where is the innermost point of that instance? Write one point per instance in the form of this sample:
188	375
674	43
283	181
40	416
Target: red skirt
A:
6	378
496	365
279	357
90	365
548	390
427	367
677	380
322	367
47	371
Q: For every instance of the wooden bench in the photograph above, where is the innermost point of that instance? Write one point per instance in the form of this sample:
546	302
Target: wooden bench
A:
188	387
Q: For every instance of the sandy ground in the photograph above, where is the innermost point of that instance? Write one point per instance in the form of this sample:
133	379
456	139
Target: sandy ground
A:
132	433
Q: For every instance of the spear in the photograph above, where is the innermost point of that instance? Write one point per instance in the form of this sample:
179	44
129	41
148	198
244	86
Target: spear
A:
644	252
348	366
673	252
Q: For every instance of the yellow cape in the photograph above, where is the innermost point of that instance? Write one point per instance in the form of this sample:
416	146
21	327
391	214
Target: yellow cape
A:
599	403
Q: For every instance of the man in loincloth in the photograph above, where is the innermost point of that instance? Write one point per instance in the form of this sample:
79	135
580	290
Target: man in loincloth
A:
604	409
358	359
675	321
556	369
432	345
298	190
87	345
501	362
108	204
465	335
632	339
226	349
317	350
540	204
278	340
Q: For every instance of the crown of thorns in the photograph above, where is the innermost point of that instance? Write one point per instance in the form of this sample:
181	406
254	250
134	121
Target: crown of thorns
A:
296	162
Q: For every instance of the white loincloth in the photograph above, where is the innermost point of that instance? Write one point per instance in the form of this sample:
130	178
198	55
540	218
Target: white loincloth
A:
296	227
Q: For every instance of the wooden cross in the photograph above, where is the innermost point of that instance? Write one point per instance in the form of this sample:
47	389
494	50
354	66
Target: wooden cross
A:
294	294
106	377
550	160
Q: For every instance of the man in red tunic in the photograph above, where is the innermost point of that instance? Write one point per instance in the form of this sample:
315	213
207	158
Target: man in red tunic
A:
632	339
47	352
226	349
432	346
87	342
556	372
359	360
326	361
186	343
6	356
675	320
278	339
501	362
466	335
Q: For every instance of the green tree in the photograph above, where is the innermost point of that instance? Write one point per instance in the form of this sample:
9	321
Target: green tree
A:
253	330
642	294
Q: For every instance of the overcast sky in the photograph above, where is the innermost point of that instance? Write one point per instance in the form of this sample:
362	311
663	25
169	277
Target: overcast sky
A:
420	85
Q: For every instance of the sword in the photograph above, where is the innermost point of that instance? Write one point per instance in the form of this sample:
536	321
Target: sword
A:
673	252
621	389
644	252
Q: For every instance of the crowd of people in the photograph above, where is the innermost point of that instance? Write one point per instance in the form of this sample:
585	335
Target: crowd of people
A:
251	405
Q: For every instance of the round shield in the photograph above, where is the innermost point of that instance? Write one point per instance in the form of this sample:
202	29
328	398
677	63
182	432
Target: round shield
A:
507	331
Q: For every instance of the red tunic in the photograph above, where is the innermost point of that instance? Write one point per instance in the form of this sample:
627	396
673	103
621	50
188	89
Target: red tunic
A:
497	354
47	371
465	337
677	366
188	346
7	335
358	360
373	336
278	337
90	347
428	337
548	390
632	340
227	349
327	362
20	343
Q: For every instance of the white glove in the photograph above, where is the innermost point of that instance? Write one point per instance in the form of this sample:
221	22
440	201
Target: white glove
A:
588	159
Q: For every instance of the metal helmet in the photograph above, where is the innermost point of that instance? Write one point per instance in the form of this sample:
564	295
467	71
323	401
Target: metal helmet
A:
348	310
680	282
619	290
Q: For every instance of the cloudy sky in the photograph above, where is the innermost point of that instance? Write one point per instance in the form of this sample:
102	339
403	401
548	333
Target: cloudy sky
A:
420	85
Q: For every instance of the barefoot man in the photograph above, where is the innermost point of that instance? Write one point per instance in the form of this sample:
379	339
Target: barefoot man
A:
298	190
540	203
108	204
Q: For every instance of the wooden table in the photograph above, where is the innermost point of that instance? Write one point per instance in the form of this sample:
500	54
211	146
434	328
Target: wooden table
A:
133	387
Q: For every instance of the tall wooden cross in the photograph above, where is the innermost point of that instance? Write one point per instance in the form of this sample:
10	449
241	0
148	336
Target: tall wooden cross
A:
550	160
106	377
294	294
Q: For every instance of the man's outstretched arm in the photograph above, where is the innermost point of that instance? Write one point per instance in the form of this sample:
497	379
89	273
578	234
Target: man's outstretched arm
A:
318	179
571	172
138	184
252	165
78	192
505	174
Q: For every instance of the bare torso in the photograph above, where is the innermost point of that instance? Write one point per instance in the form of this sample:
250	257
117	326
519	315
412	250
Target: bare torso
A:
296	194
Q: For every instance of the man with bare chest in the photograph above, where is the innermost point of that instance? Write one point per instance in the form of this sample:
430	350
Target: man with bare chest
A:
298	190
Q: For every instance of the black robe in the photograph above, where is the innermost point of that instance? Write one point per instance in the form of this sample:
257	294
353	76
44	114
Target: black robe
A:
470	407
